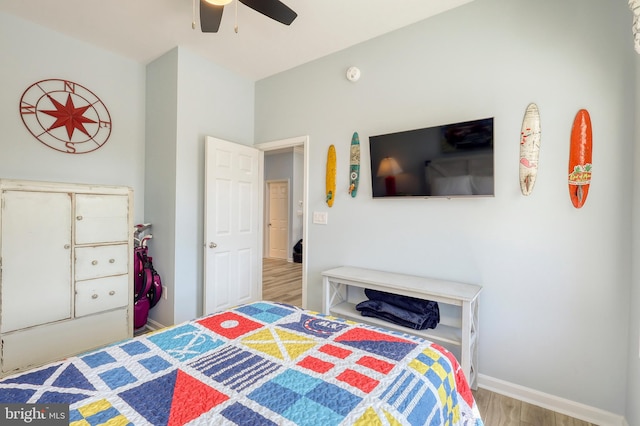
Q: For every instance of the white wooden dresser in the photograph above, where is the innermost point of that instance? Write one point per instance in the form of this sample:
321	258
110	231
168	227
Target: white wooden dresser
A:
66	275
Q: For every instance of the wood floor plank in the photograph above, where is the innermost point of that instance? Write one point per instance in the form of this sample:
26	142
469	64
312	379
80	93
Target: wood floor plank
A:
503	411
562	420
482	397
532	415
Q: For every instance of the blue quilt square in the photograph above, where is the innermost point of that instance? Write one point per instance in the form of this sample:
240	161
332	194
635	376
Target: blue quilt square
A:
280	310
36	377
241	415
134	348
405	401
274	397
419	415
398	387
296	381
309	413
234	367
317	327
334	398
74	416
16	395
249	309
60	398
433	377
155	364
264	312
185	342
117	377
97	359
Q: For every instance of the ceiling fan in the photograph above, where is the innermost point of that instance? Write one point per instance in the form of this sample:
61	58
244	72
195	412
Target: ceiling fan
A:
211	12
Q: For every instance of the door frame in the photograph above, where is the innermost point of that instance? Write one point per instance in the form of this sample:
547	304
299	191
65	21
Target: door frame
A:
300	141
267	216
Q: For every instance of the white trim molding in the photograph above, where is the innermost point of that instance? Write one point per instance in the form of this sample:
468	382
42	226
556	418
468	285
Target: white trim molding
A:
551	402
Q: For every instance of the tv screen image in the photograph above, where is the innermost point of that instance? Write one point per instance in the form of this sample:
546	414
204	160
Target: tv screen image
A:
451	160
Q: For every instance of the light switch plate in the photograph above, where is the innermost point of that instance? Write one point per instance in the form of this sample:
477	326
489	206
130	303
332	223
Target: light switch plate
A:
320	218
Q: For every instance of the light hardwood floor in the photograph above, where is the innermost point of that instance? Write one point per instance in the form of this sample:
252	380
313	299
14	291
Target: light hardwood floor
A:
501	410
282	282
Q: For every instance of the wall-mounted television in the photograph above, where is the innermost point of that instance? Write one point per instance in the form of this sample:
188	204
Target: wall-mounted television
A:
451	160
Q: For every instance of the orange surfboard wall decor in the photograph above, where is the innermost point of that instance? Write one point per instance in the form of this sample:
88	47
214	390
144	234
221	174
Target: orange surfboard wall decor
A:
580	158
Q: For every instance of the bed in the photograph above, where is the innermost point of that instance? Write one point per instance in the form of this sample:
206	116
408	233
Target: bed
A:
262	363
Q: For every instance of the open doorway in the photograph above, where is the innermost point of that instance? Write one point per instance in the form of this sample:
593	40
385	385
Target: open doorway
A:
283	276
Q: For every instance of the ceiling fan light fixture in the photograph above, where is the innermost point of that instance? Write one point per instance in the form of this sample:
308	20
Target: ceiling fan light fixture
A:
218	2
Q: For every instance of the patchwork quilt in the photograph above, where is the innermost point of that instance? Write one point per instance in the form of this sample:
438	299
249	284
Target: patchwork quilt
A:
257	364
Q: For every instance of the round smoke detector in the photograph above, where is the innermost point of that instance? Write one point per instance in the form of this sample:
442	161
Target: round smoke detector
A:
353	74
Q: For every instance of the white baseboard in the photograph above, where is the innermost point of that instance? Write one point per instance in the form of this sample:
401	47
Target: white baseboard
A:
551	402
154	325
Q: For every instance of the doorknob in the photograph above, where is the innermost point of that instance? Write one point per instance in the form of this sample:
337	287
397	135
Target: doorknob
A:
213	245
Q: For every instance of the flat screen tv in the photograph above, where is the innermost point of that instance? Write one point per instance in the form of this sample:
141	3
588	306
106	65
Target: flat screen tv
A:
452	160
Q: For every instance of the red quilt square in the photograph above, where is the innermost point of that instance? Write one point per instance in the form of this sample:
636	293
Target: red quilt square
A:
335	351
229	324
315	364
365	383
375	364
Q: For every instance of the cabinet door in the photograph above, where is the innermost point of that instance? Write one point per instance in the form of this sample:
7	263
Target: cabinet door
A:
101	218
36	258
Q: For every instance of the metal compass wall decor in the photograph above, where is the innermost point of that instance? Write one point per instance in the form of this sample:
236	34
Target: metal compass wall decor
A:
65	116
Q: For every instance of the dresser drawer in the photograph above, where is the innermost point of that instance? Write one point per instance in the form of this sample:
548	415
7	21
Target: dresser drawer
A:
101	294
101	261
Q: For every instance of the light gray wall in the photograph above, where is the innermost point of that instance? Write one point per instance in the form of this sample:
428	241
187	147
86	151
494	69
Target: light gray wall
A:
160	174
633	383
31	53
203	99
556	279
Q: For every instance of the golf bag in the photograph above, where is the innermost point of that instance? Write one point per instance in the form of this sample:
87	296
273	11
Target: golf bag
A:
147	282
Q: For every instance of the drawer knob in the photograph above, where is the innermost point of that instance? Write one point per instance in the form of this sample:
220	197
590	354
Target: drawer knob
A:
112	292
94	296
79	217
95	262
112	261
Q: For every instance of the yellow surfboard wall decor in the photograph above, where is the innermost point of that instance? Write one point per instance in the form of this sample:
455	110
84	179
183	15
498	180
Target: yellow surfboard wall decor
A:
331	175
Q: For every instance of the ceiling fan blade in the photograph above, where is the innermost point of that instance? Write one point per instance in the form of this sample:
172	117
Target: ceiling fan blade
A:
274	9
210	17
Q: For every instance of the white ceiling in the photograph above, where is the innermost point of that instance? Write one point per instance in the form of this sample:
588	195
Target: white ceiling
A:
145	29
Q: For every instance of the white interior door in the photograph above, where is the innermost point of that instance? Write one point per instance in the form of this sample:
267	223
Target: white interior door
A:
278	220
231	225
